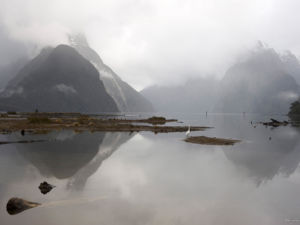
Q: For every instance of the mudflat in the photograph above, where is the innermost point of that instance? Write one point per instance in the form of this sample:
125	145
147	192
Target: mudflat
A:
210	141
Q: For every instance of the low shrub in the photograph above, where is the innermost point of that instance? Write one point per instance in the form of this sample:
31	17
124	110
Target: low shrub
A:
160	118
38	120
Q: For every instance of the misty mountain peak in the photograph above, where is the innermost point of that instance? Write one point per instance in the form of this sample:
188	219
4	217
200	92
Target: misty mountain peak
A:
260	83
64	51
263	57
78	39
80	43
124	95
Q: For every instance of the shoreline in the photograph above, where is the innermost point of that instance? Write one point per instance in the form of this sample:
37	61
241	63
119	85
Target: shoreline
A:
39	123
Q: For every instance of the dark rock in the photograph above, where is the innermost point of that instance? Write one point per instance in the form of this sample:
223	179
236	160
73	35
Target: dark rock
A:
45	187
275	123
18	205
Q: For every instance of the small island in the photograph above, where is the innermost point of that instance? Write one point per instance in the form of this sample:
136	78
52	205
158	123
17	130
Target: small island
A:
210	141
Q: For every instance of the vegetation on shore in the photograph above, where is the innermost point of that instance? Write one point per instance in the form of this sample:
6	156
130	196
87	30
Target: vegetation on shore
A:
295	108
35	119
46	122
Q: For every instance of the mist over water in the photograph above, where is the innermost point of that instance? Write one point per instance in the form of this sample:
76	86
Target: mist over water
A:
143	178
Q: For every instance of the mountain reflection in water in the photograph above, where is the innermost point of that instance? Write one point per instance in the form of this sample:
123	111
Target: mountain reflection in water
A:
70	155
263	159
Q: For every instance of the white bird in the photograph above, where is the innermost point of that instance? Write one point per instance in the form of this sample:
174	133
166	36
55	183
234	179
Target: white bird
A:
188	131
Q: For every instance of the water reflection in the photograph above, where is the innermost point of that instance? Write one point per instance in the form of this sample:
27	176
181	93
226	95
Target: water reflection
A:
158	179
110	143
262	158
264	152
67	155
64	155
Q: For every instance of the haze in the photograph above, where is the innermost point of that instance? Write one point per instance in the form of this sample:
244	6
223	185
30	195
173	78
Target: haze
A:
152	42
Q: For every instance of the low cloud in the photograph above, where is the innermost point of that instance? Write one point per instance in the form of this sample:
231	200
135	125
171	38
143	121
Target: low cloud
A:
156	42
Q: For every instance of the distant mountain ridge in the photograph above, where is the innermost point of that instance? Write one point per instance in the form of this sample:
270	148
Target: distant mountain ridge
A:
196	95
58	80
263	81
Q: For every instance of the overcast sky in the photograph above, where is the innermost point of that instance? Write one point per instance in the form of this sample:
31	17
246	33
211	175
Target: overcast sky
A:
155	41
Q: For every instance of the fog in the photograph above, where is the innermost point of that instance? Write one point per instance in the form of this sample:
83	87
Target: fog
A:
153	42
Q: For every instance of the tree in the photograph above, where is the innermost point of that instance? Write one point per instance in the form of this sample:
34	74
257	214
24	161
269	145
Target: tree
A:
295	108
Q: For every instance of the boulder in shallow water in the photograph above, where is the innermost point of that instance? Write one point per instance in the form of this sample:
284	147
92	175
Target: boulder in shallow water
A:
45	187
18	205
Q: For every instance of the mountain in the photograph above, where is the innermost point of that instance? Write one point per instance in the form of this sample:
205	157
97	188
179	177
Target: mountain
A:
196	95
58	79
126	98
258	83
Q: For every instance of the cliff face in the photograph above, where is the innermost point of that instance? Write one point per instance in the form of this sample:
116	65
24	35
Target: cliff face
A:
57	80
291	65
10	70
126	98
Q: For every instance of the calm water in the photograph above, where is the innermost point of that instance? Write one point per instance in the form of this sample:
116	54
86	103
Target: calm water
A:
143	178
